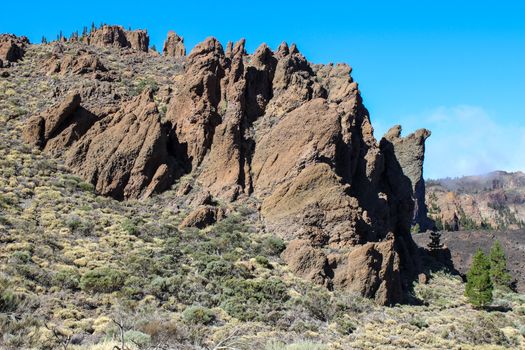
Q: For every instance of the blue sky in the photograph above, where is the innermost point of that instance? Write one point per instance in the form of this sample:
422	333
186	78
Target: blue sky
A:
455	67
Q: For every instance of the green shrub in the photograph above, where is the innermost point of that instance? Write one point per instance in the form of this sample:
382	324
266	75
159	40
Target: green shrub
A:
145	83
273	246
131	226
418	322
138	338
318	304
217	269
67	277
250	300
102	280
163	287
77	224
198	315
345	326
8	300
134	287
20	257
73	222
86	186
263	261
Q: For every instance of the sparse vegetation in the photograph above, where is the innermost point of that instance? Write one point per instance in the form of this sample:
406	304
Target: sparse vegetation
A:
80	265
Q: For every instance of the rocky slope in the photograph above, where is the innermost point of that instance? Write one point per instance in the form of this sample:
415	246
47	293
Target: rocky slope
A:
492	201
268	127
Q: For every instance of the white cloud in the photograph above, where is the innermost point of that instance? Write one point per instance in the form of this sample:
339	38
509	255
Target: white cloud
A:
466	140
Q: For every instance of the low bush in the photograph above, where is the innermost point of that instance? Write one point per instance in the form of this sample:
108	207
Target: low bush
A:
198	315
102	280
273	245
250	300
67	277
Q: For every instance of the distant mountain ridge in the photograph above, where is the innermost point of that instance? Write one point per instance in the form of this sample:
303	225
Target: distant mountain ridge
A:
493	201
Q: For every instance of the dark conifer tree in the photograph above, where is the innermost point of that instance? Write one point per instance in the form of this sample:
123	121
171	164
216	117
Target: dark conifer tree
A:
479	285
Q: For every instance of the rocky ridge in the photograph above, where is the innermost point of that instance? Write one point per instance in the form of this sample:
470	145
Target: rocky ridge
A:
116	36
492	201
270	127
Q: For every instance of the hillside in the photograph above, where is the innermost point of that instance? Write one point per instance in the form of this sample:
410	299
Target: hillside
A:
213	200
492	201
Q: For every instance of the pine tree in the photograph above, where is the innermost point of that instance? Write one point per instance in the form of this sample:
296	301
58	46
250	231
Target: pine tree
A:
479	285
153	48
498	267
44	40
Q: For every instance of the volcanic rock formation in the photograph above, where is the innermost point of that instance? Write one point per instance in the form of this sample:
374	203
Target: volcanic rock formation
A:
81	62
271	126
174	46
116	36
12	48
410	154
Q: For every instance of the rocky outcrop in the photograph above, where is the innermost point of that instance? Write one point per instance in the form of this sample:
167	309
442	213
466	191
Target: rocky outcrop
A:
12	48
42	128
81	62
371	270
203	216
174	46
116	36
124	153
271	126
410	153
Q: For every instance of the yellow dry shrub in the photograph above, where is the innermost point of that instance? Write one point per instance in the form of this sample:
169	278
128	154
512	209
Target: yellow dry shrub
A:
101	324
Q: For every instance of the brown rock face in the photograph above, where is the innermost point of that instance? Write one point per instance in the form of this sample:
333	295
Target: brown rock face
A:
116	36
174	46
410	153
270	125
202	216
79	63
124	153
40	129
371	270
12	48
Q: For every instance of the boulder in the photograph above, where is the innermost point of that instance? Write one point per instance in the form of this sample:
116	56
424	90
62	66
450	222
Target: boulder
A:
174	46
202	216
307	261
